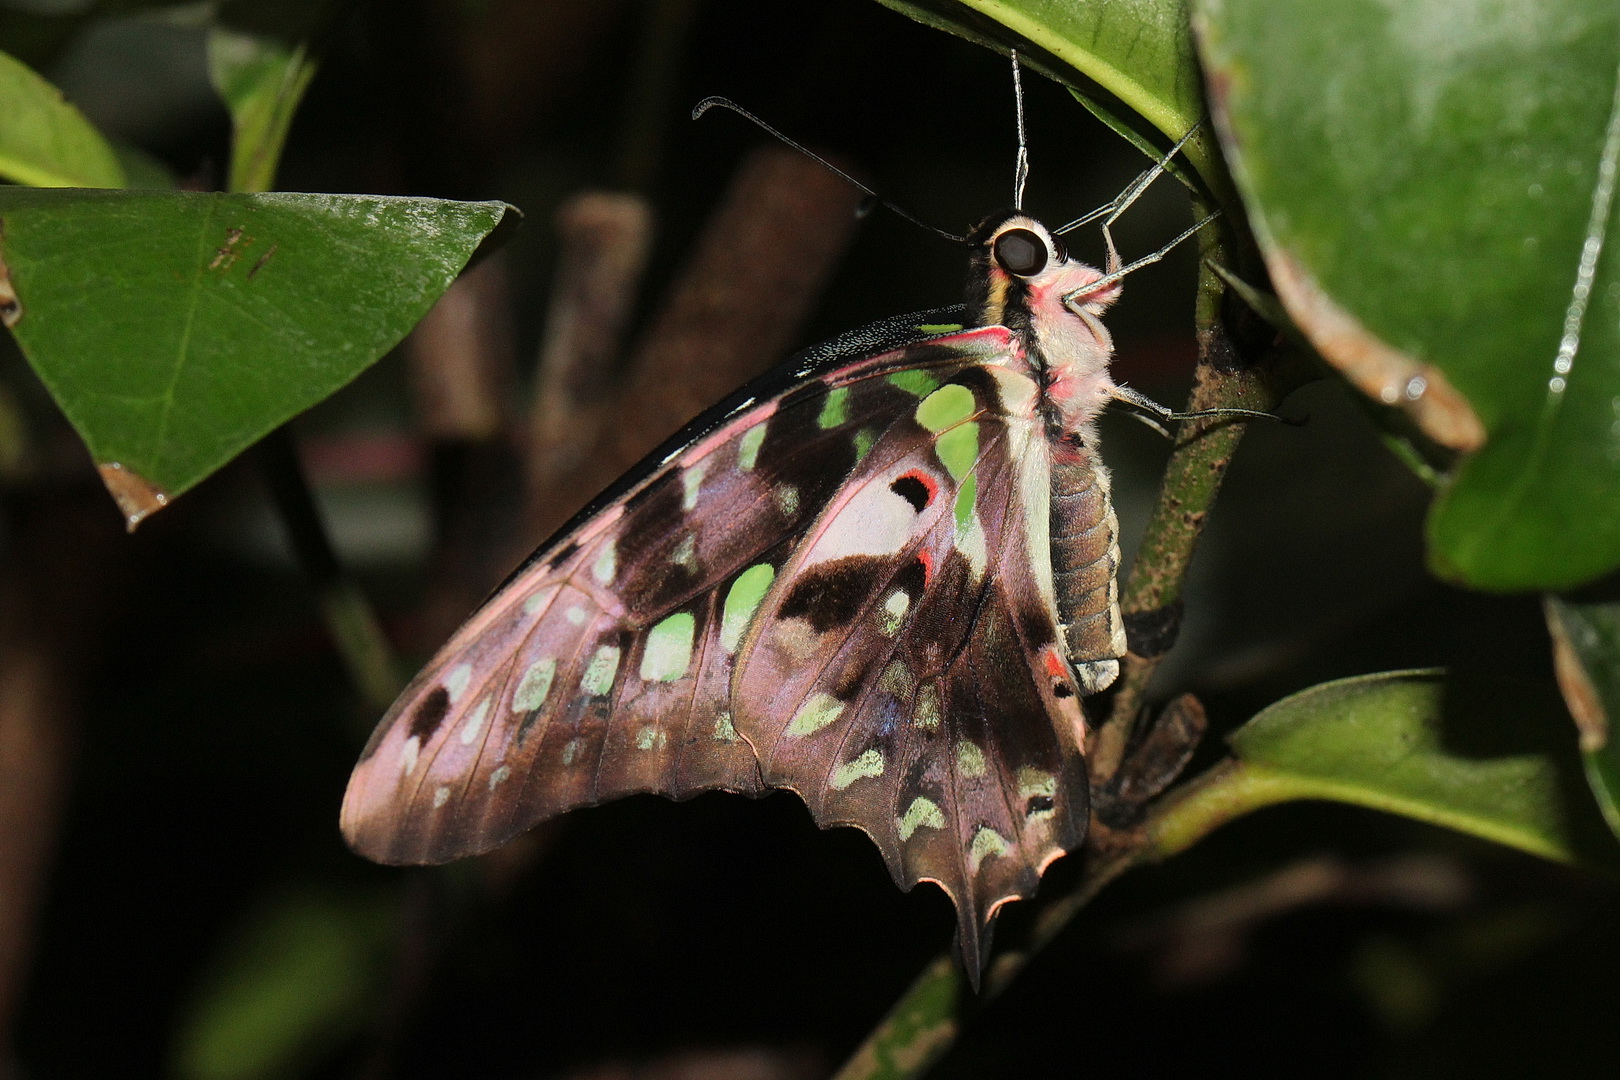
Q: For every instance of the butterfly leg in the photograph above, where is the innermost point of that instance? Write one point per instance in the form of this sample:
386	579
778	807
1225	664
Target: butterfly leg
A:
1158	415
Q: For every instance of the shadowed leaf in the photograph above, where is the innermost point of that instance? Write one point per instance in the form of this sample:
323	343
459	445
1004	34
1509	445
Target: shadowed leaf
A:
1433	185
175	329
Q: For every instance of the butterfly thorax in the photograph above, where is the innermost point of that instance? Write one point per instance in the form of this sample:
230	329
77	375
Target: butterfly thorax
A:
1021	276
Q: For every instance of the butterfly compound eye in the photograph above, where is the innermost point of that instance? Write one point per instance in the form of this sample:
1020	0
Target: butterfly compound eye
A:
1021	252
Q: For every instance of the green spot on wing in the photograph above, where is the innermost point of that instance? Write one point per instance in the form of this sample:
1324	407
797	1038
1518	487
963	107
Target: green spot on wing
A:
691	481
921	814
987	842
599	673
958	449
869	763
863	442
835	410
949	405
607	562
939	327
535	685
669	648
964	503
817	712
970	760
914	382
748	446
742	601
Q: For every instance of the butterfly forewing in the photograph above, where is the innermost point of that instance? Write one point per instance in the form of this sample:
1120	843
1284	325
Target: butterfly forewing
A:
605	666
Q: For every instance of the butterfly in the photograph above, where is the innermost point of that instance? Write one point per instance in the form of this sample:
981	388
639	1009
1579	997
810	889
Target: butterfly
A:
882	575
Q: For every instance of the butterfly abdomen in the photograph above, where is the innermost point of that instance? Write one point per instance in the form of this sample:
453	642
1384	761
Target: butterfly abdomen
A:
1085	564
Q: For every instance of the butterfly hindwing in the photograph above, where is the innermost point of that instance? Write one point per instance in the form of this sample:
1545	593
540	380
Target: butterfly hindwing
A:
905	677
604	667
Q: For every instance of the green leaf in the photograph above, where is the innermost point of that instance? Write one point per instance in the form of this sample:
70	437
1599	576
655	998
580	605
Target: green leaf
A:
1137	52
46	142
1424	178
261	80
1586	650
1412	743
175	329
302	973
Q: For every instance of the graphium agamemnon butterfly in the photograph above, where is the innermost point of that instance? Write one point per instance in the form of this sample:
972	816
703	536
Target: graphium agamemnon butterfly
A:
881	576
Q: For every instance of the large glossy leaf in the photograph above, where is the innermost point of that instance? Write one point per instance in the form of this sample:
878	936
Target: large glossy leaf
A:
1491	757
1138	53
1433	184
175	329
46	142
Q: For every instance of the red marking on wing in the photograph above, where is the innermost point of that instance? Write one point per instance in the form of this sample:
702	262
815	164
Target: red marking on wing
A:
928	482
1055	667
926	557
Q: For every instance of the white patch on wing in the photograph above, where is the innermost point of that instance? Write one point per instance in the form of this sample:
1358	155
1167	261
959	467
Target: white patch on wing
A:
971	543
455	683
408	754
475	721
875	521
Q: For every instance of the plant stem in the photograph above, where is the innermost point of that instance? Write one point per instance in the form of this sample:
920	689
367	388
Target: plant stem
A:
1151	598
349	615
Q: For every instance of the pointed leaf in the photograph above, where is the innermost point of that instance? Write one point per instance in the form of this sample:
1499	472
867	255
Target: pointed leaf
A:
1433	184
46	142
1136	52
174	329
1410	743
261	80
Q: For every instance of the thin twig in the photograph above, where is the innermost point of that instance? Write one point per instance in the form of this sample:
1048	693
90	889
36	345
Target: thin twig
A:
735	309
604	239
349	615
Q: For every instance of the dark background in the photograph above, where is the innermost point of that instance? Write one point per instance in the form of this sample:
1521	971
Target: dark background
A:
216	726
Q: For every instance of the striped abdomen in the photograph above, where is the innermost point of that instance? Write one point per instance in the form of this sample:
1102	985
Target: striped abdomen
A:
1085	561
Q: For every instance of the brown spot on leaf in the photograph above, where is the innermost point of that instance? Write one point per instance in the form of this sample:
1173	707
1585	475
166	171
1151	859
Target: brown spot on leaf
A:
226	255
137	497
262	260
1377	368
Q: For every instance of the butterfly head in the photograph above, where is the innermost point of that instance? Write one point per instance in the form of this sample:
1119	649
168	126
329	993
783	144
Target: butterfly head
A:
1020	271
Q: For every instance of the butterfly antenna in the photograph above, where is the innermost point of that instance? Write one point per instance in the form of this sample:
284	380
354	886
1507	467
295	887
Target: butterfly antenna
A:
872	197
1116	206
1021	167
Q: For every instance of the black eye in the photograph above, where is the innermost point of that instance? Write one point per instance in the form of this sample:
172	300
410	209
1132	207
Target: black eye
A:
1021	252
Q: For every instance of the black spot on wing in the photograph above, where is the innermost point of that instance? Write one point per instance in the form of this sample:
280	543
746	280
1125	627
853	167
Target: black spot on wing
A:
913	490
830	596
1038	804
564	553
430	713
912	578
1037	628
